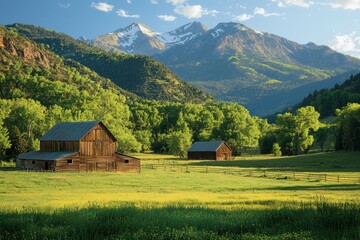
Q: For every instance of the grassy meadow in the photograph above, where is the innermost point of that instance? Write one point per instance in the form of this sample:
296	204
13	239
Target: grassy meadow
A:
184	205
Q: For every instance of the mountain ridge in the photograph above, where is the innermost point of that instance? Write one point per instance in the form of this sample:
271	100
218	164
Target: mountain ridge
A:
138	38
233	62
140	75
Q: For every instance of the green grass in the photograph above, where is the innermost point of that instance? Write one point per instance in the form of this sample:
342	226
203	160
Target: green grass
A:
321	221
179	205
317	162
344	164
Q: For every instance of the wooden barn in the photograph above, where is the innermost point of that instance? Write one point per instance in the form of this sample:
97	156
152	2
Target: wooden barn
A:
215	150
78	147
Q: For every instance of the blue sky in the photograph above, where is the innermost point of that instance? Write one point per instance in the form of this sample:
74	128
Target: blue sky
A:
335	23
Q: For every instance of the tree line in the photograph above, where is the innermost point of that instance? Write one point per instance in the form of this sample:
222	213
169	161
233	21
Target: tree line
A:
33	98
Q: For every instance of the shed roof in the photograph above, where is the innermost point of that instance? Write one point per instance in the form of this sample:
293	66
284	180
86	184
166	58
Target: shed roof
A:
206	146
42	155
70	131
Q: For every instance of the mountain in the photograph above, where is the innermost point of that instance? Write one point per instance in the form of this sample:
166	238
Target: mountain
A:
291	97
138	38
140	75
30	71
236	63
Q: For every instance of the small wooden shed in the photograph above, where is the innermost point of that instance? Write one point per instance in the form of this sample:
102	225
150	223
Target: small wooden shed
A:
214	150
78	147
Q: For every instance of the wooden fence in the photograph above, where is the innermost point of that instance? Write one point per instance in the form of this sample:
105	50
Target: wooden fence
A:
308	176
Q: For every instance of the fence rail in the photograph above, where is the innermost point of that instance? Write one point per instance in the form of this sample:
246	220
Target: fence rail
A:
323	177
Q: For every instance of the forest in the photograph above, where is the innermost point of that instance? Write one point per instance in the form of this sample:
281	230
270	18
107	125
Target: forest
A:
36	94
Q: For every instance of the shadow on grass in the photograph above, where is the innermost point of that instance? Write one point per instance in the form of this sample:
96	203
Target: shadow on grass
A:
317	162
8	169
335	187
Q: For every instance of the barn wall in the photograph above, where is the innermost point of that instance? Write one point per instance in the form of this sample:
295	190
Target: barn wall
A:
98	142
36	165
98	164
202	155
223	153
127	164
59	146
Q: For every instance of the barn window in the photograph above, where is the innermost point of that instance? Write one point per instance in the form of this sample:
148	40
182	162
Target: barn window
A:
69	161
126	161
33	162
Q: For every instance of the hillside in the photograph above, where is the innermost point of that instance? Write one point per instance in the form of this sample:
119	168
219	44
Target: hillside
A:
326	101
138	74
28	70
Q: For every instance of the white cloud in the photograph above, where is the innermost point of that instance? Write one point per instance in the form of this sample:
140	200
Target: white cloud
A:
298	3
347	43
101	6
193	11
263	12
154	2
243	17
128	1
346	4
167	18
123	13
175	2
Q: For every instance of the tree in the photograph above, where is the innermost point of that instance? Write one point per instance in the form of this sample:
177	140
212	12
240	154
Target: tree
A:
306	119
238	128
349	127
293	131
4	140
276	150
179	141
266	142
4	132
19	143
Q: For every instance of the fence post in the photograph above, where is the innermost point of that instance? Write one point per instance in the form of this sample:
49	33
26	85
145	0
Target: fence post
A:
187	168
206	169
294	175
264	173
325	177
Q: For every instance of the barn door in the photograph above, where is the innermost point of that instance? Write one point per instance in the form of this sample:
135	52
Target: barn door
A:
97	143
46	165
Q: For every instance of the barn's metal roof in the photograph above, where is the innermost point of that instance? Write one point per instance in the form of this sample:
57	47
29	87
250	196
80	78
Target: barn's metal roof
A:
206	146
68	131
42	155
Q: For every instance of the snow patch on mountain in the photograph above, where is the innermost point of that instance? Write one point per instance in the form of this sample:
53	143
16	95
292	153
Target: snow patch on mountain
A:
217	32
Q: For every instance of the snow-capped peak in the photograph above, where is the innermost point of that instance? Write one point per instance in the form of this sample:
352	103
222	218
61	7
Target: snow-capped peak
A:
135	28
182	34
139	36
